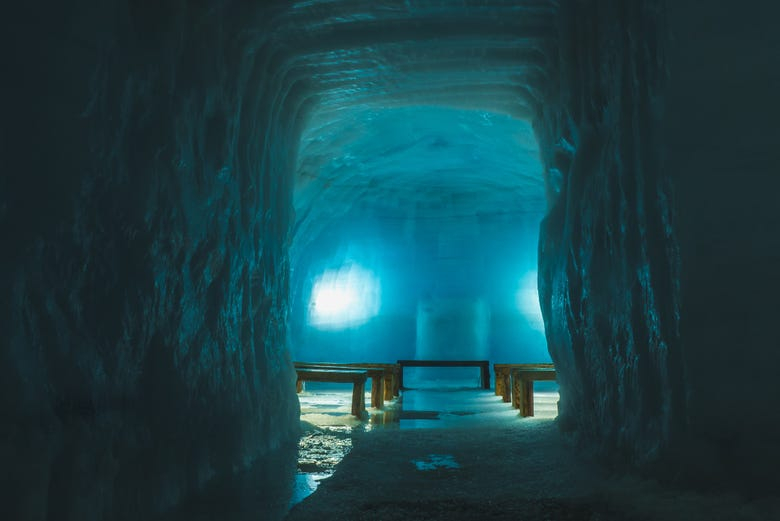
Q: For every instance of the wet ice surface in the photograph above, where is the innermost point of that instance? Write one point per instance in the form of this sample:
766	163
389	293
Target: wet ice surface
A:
465	441
328	425
436	461
319	451
452	450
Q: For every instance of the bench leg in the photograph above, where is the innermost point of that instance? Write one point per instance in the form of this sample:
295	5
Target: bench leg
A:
299	386
377	392
397	383
359	399
515	386
507	388
526	397
389	380
486	376
499	384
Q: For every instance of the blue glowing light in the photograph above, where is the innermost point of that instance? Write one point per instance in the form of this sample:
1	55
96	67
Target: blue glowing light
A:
344	298
528	301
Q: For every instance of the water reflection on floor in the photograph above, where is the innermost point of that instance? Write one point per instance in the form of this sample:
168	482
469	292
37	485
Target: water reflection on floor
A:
329	427
320	449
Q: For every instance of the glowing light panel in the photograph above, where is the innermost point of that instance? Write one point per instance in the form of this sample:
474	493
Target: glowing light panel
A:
344	298
528	301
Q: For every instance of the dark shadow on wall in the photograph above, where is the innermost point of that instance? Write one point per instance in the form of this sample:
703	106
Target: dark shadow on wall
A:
262	492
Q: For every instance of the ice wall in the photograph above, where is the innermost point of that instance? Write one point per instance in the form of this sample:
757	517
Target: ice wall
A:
144	208
655	280
608	253
720	134
486	258
452	329
438	203
145	202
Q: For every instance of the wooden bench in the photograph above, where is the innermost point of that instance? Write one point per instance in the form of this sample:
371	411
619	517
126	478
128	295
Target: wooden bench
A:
392	372
523	386
357	377
377	373
483	365
503	379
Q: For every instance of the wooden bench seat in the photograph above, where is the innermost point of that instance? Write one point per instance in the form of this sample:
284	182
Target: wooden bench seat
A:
522	381
503	379
382	377
392	372
357	377
484	366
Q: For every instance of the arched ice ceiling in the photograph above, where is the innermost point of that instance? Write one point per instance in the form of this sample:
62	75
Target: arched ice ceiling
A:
414	107
422	162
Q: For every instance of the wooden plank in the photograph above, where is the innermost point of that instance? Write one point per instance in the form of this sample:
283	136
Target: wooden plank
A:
331	375
503	380
377	373
522	383
391	377
392	374
357	377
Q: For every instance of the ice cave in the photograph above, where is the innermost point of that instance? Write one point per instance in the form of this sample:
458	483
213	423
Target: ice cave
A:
196	194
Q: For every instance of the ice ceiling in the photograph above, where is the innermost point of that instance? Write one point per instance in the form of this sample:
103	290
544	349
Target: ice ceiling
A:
419	162
417	109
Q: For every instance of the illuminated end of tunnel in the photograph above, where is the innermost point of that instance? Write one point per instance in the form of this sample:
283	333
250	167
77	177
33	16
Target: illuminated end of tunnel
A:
344	298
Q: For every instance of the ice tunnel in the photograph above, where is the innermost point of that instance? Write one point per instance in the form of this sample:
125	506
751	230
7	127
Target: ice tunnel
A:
195	192
419	201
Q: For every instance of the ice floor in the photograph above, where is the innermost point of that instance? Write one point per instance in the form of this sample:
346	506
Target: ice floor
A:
437	405
435	451
446	453
329	426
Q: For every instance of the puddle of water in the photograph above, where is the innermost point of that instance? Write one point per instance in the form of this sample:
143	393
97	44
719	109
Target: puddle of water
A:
320	450
419	415
436	461
306	484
